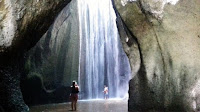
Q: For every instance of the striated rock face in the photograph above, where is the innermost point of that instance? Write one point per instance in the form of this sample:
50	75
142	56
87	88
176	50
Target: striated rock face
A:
20	18
165	36
54	60
22	24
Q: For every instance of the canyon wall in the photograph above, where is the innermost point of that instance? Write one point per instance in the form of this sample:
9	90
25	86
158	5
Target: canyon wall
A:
22	24
54	60
165	36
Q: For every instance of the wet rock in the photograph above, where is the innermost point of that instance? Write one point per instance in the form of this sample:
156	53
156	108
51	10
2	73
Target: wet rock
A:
20	19
55	59
22	23
168	75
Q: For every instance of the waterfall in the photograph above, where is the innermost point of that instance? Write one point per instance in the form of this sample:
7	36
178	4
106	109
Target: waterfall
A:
102	60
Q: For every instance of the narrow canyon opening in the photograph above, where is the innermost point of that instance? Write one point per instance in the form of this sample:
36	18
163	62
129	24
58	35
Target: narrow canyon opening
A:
82	44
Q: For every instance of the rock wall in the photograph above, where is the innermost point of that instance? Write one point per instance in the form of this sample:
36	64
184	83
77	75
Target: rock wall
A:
164	36
22	24
54	60
20	18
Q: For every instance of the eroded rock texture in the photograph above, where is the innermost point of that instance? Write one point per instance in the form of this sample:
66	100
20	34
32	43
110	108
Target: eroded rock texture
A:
22	24
54	61
165	36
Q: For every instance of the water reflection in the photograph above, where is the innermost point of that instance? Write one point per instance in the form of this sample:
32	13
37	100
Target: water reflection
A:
100	105
109	105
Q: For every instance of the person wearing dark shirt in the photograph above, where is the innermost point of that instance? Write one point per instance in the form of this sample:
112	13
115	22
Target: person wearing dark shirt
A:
74	95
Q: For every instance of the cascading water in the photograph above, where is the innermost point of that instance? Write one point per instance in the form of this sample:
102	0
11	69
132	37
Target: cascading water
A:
102	60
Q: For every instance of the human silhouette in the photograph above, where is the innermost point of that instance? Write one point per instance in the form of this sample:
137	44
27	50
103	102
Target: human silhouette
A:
74	95
105	92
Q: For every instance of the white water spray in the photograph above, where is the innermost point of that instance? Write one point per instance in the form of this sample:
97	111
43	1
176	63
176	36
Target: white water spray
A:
102	60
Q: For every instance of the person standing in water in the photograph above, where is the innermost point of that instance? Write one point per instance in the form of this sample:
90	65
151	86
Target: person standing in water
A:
74	95
105	92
